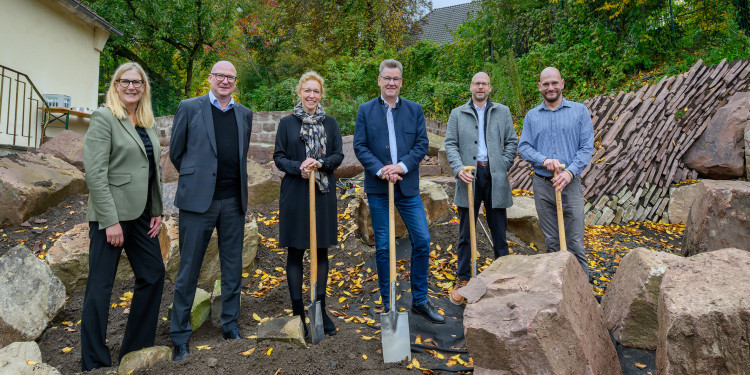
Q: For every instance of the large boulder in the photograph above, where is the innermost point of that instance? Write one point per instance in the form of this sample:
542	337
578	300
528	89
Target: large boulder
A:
350	166
30	296
436	143
443	162
536	315
719	218
747	153
285	329
168	193
434	200
144	358
633	295
68	146
68	258
24	358
719	152
30	183
524	222
200	310
704	315
168	171
211	268
263	183
681	198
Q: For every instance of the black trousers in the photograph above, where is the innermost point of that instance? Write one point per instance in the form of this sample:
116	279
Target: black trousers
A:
497	220
144	254
195	231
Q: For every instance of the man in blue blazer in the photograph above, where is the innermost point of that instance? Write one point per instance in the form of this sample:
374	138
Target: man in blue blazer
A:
390	139
208	146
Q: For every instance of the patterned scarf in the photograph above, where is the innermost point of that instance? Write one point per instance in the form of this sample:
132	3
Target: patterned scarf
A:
314	135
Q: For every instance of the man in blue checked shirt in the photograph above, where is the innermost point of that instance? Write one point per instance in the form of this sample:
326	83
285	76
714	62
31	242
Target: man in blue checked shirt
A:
558	132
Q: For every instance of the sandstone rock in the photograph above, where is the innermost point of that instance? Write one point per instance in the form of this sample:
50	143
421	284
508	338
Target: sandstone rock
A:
68	258
200	311
436	143
30	296
538	316
168	172
430	170
435	203
681	198
260	152
704	315
263	183
211	269
163	125
14	356
351	166
216	304
30	183
443	162
168	193
718	152
285	329
524	222
68	146
747	153
633	295
144	358
719	218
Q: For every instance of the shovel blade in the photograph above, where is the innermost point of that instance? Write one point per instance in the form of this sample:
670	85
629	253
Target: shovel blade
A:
315	314
394	328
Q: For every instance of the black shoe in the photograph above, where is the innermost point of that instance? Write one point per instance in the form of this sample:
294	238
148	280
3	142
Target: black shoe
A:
180	352
233	335
429	312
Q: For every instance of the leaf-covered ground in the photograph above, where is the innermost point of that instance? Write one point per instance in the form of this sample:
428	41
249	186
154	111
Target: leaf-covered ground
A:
352	297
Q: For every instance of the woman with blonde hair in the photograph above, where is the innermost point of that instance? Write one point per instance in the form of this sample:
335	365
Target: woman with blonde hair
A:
124	211
308	139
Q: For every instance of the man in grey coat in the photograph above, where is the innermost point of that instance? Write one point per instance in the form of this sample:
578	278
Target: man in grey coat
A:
480	134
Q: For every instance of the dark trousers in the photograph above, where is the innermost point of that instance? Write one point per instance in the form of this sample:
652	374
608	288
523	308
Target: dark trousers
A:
497	220
144	255
195	231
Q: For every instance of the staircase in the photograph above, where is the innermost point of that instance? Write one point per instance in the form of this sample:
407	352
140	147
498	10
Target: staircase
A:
23	111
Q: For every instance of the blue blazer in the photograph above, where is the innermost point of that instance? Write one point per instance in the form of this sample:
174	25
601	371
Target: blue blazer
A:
192	149
372	148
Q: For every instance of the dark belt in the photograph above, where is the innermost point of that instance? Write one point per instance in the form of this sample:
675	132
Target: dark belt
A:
483	163
545	177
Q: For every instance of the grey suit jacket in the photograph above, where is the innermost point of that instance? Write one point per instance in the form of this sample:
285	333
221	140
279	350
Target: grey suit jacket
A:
117	170
192	149
461	145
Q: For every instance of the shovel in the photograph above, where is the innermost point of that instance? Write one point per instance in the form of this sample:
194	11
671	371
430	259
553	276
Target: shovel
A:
314	311
472	224
560	221
394	325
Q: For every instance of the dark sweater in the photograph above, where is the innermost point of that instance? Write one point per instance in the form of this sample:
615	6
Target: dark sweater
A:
227	146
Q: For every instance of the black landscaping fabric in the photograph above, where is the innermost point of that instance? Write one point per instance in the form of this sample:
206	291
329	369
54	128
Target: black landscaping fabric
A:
449	337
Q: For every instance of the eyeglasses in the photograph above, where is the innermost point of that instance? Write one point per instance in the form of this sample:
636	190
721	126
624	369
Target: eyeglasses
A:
221	77
308	91
389	79
126	82
480	84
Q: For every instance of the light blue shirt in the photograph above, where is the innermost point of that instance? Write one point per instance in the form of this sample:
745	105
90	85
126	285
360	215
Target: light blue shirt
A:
565	134
482	149
215	102
392	135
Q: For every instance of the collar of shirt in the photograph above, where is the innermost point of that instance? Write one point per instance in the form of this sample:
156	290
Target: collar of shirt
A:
215	102
476	107
384	103
543	106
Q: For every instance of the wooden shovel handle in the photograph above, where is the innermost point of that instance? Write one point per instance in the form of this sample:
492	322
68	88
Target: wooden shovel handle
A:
560	221
313	238
391	235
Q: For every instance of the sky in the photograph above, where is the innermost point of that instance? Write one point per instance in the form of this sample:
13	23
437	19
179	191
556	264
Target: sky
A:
446	3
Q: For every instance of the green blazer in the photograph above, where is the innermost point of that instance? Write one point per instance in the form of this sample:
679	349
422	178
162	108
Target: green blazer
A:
117	170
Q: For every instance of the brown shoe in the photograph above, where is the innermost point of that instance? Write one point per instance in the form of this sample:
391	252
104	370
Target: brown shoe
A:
456	298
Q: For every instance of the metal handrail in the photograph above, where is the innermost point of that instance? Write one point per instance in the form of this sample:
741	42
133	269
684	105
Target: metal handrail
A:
42	102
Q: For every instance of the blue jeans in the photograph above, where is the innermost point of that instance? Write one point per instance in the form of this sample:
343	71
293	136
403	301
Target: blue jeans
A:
413	214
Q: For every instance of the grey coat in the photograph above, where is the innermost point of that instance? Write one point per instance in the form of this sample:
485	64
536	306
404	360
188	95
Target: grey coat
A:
461	145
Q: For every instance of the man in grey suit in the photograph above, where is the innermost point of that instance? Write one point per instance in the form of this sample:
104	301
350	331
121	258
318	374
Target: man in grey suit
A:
208	146
480	134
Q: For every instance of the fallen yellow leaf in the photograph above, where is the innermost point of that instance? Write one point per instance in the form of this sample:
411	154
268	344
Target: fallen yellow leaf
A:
248	352
66	349
364	356
640	365
203	347
342	299
270	350
256	317
30	363
245	274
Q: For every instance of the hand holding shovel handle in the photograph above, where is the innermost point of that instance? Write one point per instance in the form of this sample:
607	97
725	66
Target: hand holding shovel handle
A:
472	223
